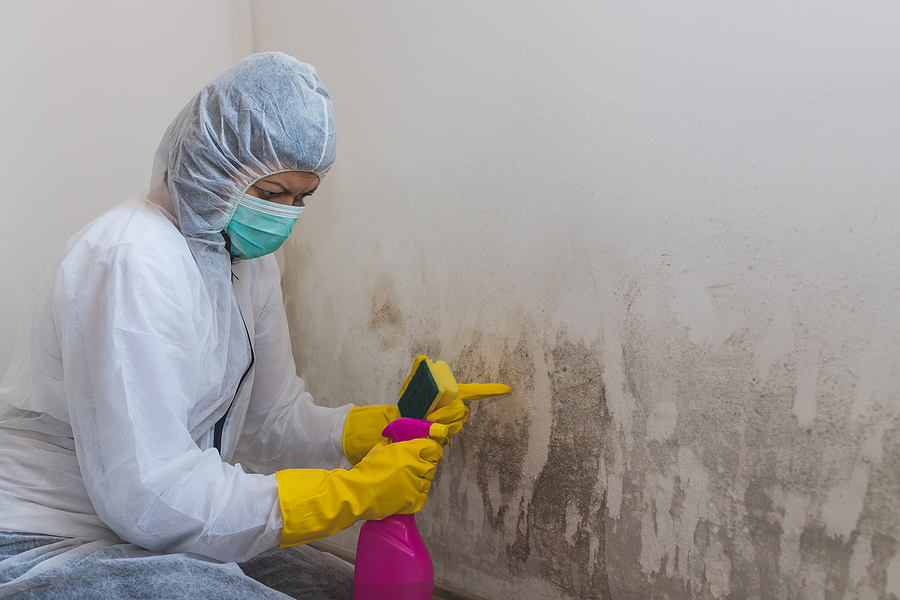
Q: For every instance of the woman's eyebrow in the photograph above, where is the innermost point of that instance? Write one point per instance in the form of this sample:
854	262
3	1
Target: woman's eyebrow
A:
283	189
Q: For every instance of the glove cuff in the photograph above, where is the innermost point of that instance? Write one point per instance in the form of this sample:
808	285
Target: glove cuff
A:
315	503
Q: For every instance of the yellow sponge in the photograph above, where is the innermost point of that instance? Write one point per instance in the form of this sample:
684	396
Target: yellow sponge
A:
429	385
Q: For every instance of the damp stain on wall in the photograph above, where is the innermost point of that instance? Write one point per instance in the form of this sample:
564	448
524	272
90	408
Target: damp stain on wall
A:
743	498
385	317
729	495
567	510
497	435
550	524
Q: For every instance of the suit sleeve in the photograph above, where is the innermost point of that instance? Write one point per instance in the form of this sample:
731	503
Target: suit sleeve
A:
284	428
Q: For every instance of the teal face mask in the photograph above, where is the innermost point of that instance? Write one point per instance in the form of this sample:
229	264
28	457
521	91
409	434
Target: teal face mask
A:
259	227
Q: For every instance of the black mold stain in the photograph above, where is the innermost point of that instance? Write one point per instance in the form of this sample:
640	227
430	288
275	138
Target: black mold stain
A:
428	348
384	313
518	550
764	523
471	365
884	548
385	318
625	551
879	516
743	429
567	484
499	430
816	547
487	455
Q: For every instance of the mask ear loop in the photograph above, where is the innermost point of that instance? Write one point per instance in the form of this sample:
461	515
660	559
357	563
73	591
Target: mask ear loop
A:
233	204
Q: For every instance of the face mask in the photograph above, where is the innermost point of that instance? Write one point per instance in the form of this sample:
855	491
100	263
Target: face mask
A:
259	227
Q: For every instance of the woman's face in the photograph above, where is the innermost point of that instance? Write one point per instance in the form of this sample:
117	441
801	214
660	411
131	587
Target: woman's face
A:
290	187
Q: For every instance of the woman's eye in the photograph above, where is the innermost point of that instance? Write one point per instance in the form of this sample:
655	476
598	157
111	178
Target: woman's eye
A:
266	194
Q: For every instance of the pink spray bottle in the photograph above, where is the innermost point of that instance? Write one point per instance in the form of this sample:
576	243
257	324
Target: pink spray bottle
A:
392	561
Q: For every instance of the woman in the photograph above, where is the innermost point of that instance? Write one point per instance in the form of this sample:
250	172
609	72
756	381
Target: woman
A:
153	364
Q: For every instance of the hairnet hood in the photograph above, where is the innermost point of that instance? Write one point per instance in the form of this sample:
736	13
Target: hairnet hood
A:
265	114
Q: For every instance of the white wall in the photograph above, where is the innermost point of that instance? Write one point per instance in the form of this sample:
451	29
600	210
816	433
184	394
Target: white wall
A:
88	91
673	229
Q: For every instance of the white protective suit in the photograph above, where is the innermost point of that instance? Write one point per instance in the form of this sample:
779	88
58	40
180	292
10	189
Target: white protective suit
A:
143	337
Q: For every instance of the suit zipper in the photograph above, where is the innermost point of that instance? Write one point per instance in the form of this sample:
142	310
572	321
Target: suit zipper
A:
220	424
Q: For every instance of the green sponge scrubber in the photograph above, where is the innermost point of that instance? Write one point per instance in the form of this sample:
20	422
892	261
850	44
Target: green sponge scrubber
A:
429	386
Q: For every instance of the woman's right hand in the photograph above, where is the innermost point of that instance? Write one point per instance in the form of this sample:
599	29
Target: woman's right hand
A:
393	478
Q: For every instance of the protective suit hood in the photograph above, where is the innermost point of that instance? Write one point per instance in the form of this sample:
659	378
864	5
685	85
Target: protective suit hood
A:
265	114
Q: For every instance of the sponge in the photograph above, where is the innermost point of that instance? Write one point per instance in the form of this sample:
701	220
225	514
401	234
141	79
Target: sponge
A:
429	386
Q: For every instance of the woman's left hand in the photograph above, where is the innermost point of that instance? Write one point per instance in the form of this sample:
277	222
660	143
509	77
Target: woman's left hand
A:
363	427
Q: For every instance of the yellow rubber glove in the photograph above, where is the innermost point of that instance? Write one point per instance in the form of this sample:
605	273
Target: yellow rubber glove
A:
363	427
393	478
454	415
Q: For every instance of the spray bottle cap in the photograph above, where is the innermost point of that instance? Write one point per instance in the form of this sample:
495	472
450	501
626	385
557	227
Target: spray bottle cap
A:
438	430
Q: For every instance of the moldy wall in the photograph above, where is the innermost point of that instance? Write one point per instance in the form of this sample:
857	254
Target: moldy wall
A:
673	230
